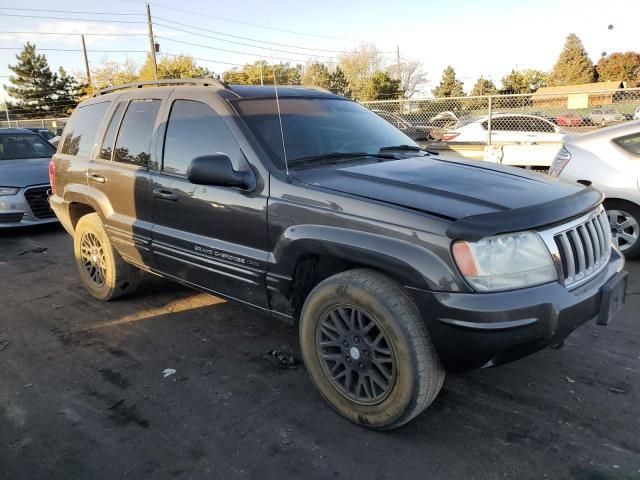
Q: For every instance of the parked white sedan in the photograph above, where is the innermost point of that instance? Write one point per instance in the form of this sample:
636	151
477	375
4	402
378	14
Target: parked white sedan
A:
608	159
524	140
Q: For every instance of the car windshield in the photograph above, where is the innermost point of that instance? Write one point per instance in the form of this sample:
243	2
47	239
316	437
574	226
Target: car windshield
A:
19	146
46	134
314	127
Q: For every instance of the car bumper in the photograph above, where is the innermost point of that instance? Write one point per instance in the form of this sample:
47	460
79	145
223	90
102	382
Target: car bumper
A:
15	211
474	330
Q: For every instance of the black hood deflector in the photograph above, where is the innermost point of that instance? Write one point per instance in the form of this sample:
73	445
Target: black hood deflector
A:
476	227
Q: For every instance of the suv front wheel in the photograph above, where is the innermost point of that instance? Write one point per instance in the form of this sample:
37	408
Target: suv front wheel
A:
367	349
102	270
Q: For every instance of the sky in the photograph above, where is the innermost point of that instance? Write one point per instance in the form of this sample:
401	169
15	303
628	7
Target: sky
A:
487	38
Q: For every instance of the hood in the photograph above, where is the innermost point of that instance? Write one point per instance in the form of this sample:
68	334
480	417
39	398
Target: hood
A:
451	189
24	172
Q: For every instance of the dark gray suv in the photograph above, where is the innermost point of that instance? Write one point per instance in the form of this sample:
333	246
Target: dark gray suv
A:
399	265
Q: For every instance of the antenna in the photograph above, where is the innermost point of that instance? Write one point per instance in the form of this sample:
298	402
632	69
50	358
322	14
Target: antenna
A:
275	85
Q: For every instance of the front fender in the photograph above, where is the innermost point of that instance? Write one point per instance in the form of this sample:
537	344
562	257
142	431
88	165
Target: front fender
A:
409	263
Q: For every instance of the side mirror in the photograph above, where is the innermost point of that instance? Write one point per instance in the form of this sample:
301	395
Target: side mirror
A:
217	170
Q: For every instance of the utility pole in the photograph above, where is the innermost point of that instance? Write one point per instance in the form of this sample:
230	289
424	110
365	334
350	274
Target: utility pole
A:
86	63
152	43
6	110
398	62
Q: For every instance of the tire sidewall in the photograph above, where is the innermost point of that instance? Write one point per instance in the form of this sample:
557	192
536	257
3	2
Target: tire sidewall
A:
401	396
94	225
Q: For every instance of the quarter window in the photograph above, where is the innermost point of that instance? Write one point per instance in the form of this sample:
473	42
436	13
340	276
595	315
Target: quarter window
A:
82	129
194	130
109	137
631	143
134	140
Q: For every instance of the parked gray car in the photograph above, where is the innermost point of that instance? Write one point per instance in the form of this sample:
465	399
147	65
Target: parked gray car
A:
24	178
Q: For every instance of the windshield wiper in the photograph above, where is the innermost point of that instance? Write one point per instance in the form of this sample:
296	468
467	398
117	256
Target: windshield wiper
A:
409	148
333	157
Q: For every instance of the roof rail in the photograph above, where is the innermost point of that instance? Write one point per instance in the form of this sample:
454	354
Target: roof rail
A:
204	82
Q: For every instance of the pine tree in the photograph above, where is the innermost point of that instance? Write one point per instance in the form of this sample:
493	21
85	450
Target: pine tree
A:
483	86
338	83
37	90
449	86
573	66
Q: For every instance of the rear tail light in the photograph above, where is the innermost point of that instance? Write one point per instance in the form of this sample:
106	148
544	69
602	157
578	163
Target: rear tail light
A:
562	158
52	177
447	137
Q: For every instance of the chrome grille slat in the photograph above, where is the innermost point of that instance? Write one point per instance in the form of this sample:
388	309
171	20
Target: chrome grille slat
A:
582	247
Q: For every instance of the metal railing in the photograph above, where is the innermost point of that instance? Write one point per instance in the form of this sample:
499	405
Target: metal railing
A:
55	125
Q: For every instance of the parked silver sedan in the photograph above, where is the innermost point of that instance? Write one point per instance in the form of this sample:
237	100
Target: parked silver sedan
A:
24	178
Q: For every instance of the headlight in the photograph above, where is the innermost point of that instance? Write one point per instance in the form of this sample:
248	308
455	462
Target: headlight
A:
505	262
559	162
8	191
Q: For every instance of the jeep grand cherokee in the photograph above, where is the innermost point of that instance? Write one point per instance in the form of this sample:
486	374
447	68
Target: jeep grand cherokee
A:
399	265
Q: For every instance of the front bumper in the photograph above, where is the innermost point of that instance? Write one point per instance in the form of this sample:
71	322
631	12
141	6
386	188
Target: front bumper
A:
15	211
473	330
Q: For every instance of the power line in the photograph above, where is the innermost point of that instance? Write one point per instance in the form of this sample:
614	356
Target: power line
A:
71	19
203	59
67	11
71	33
233	36
76	50
237	51
238	22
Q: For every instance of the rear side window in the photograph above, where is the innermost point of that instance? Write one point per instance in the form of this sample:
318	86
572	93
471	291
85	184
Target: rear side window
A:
110	136
631	143
194	130
82	129
134	140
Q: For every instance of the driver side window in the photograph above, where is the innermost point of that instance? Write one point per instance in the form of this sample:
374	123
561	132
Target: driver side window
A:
195	129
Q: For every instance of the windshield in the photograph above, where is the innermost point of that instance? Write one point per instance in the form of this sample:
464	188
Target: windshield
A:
313	127
18	146
46	134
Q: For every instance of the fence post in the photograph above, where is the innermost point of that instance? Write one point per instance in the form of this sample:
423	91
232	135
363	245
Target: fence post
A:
490	108
42	122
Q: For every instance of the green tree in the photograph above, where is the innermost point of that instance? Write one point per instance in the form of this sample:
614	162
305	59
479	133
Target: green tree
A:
524	81
449	86
483	86
36	89
180	66
620	67
573	66
261	72
380	86
113	73
359	65
338	83
317	75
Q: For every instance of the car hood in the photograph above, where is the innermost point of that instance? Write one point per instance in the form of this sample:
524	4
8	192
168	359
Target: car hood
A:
24	172
457	190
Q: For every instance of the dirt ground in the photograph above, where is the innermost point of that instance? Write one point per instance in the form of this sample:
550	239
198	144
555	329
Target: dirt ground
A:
83	396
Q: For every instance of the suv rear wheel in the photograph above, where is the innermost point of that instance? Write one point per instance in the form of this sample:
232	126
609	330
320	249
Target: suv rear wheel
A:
624	218
367	349
102	270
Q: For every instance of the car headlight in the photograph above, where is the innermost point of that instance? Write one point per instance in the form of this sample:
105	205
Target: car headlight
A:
505	262
8	191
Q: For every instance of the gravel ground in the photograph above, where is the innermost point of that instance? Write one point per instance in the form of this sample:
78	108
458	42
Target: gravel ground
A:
83	395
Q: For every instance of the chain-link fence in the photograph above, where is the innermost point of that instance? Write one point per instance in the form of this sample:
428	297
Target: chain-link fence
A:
523	130
54	125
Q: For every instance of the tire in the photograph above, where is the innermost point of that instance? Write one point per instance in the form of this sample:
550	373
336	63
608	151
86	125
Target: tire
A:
102	270
625	218
364	299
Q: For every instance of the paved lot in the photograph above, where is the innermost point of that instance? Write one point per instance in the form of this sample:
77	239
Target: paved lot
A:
82	394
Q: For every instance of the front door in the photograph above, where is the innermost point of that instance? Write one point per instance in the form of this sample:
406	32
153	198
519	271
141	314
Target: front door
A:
211	237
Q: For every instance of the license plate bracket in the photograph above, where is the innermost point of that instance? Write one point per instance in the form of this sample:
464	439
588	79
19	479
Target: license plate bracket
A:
613	297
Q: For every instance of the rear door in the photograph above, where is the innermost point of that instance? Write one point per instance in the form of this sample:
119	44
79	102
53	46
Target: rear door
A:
212	237
122	171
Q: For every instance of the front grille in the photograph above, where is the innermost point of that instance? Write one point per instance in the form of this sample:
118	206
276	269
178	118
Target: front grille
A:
11	217
584	248
37	198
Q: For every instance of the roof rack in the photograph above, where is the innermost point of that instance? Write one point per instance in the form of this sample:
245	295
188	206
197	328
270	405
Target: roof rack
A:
204	82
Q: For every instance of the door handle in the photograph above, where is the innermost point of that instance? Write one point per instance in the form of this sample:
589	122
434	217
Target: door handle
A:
163	194
94	177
